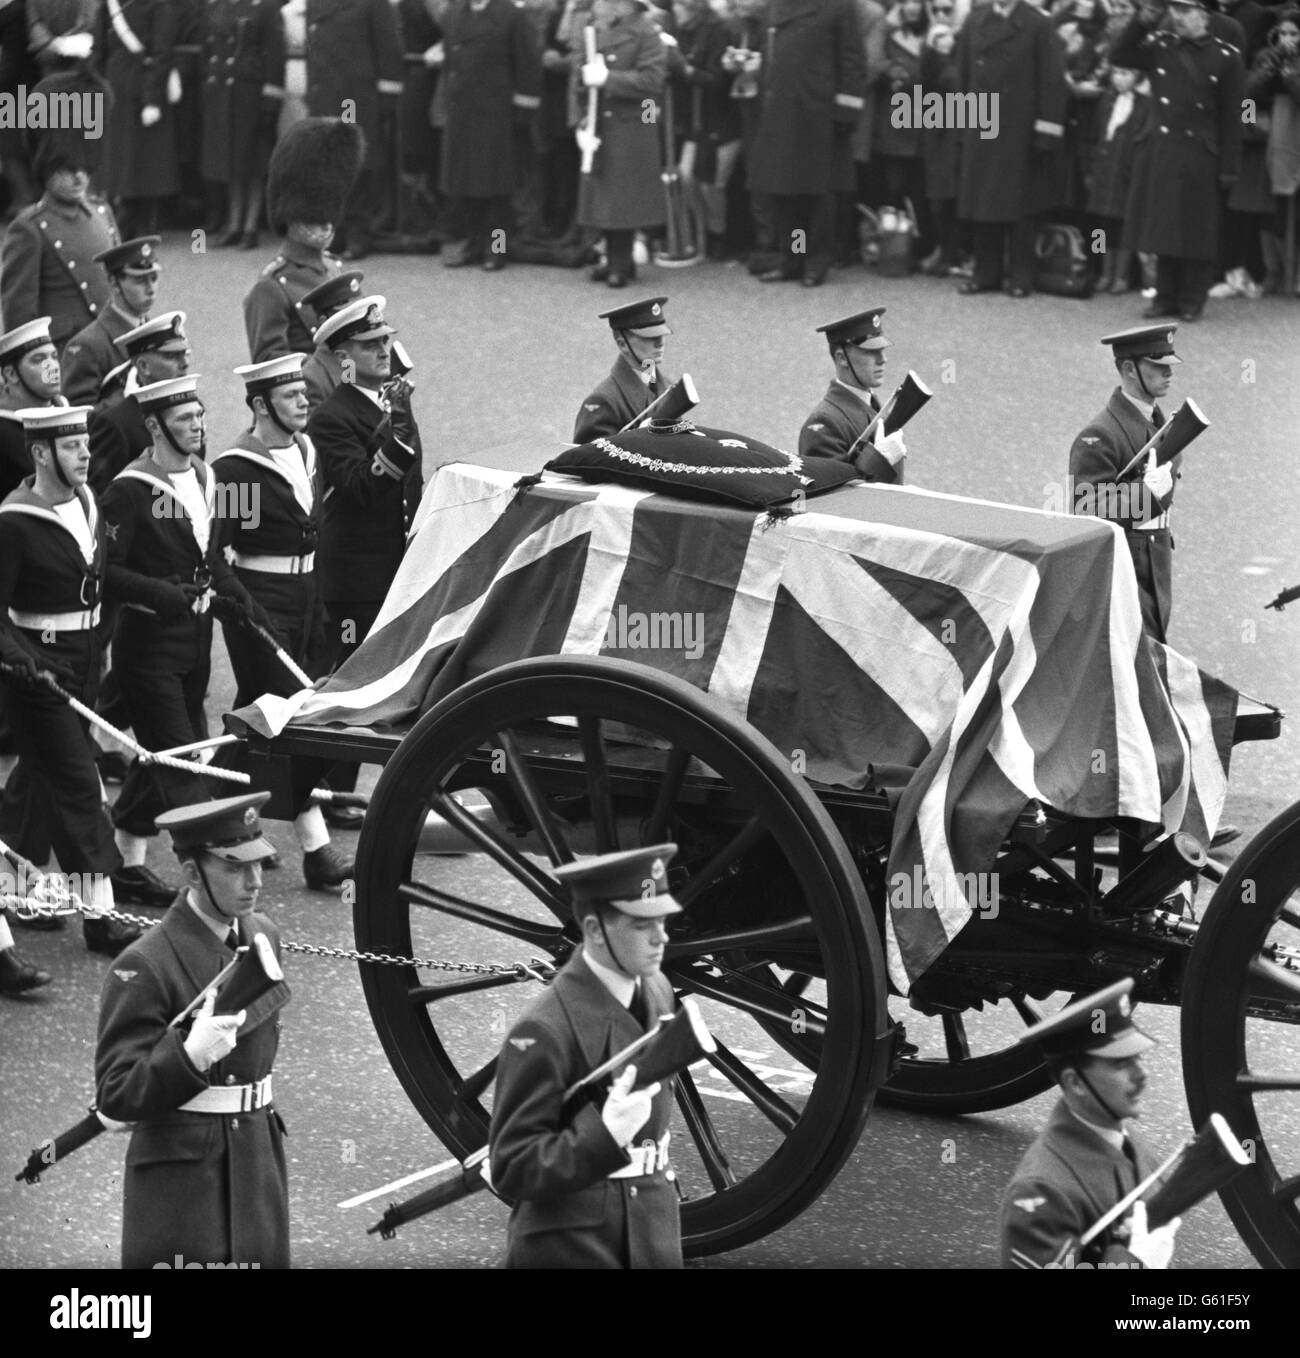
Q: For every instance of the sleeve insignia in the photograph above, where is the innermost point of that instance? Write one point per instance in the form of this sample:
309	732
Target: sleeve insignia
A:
733	443
595	406
1030	1205
521	1044
816	428
125	975
1090	439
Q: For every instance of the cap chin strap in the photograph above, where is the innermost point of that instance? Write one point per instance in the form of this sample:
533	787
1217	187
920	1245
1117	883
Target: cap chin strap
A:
275	418
626	336
618	961
1102	1102
207	886
846	350
1142	382
167	434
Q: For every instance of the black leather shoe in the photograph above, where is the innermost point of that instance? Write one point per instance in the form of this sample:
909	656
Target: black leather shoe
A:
1156	310
970	287
249	241
343	817
46	924
16	976
599	274
616	280
112	765
107	936
775	276
229	237
1017	293
142	886
325	867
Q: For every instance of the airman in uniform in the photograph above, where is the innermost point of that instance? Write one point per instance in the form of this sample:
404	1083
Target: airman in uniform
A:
321	371
838	422
639	329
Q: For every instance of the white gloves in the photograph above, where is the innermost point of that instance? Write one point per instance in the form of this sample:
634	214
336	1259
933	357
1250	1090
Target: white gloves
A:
625	1112
74	46
1159	480
150	114
175	90
890	446
212	1037
434	56
1154	1248
595	73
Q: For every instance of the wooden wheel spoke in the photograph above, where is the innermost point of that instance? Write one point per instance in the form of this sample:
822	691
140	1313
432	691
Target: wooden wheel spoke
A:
540	935
445	990
760	936
666	797
1288	1190
600	794
726	858
474	1085
514	862
766	1100
1027	1009
699	1123
521	779
1256	1083
1291	917
753	997
954	1038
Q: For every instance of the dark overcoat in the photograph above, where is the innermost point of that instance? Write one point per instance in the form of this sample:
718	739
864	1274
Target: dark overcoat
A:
621	397
118	436
491	81
210	1187
1103	448
139	161
1112	162
366	512
242	48
15	460
902	73
812	90
1192	138
1069	1178
1021	60
623	190
353	56
552	1160
834	428
92	353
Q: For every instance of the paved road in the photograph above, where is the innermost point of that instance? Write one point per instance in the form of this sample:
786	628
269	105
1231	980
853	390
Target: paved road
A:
508	357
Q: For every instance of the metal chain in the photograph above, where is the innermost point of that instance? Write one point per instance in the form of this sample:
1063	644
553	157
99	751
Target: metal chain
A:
539	968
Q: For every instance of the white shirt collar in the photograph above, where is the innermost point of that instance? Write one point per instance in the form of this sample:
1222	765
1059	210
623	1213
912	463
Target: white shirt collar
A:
366	391
862	393
622	987
1145	407
219	930
1112	1136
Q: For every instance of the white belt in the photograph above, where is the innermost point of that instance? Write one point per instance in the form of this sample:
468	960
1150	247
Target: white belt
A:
231	1098
1152	525
276	565
56	622
647	1158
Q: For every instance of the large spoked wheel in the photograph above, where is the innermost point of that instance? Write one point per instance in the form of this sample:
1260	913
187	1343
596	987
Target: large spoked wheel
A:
1241	1045
588	755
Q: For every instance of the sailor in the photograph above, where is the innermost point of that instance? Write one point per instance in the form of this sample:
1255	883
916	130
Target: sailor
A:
1144	358
591	1185
132	270
29	369
165	566
838	424
1086	1159
273	554
321	371
639	330
52	564
205	1181
155	352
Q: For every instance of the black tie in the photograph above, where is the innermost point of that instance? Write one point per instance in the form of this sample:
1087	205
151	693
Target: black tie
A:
1157	416
637	1007
232	938
1131	1156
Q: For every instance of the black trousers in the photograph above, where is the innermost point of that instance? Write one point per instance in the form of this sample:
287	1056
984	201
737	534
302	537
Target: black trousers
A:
804	225
295	608
1005	249
1182	284
479	220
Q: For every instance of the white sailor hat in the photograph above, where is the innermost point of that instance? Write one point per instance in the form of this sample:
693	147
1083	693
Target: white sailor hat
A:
53	422
359	320
23	339
164	334
274	372
173	391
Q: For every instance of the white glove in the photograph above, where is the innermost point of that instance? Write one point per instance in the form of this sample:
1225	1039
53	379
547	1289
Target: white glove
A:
212	1037
1154	1248
435	55
1159	479
175	90
667	39
890	446
201	603
625	1112
75	46
753	63
595	73
150	114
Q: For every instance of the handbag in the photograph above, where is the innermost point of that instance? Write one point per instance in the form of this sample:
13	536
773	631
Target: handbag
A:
1064	266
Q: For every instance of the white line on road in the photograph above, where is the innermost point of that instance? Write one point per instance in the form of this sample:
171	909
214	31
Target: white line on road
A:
398	1183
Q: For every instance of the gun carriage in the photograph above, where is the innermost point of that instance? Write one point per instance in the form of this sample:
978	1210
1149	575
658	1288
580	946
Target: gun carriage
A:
504	768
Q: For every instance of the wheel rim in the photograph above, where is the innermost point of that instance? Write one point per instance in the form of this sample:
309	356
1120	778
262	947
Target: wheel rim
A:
761	1140
1242	986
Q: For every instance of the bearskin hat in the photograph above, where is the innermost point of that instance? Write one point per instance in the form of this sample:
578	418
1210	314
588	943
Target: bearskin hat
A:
313	168
79	102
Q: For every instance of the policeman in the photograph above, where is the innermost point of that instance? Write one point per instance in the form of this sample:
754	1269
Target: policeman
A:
205	1172
1108	443
52	563
321	371
164	565
639	330
132	269
839	422
155	352
592	1187
1085	1160
29	369
272	469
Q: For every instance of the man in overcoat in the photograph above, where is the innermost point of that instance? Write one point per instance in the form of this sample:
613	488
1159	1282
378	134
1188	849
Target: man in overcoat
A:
639	329
205	1180
1086	1160
836	426
1188	152
1140	502
1010	58
590	1180
492	88
812	91
132	270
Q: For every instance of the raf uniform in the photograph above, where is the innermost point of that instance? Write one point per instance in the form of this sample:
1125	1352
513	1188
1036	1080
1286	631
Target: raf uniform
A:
1103	449
838	421
625	393
1075	1172
205	1169
95	350
322	371
580	1199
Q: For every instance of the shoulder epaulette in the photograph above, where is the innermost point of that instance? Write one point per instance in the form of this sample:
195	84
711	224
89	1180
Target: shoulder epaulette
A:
277	263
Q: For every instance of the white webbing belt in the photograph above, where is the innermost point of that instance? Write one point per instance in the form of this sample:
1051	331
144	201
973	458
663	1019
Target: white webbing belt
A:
56	622
231	1098
276	565
646	1159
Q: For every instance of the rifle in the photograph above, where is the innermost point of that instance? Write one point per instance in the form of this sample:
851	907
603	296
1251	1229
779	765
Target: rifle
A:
911	395
1186	424
1288	596
668	405
682	247
585	134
